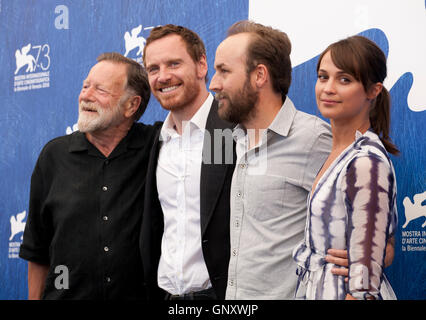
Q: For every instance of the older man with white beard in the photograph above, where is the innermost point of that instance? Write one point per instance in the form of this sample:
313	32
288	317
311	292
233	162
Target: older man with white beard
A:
81	236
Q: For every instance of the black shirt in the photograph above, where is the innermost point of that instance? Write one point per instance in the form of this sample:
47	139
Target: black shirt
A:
85	215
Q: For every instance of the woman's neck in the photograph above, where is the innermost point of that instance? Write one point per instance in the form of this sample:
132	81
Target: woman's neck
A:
344	132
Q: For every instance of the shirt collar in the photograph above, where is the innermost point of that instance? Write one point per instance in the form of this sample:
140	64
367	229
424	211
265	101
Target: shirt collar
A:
280	125
358	135
369	133
198	120
79	141
284	118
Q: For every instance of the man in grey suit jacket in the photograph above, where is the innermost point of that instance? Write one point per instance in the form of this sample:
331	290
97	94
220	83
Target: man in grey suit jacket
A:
185	231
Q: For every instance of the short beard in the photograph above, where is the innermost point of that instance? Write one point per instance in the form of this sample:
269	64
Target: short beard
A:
240	108
191	91
104	119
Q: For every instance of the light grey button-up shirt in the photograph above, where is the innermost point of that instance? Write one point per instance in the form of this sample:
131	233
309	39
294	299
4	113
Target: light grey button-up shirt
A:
269	191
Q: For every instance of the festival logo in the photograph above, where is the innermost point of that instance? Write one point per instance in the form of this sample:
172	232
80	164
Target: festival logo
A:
134	40
414	210
23	58
414	240
17	226
32	67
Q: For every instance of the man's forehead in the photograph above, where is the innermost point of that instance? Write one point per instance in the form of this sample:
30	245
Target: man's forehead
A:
169	47
108	73
238	42
232	49
108	70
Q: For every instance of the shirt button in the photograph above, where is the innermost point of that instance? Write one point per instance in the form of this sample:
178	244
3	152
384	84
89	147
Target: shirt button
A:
238	194
237	223
106	249
108	279
231	282
234	252
242	166
105	218
104	188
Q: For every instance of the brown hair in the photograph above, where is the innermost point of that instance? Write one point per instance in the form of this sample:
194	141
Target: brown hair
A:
270	47
366	62
194	45
137	79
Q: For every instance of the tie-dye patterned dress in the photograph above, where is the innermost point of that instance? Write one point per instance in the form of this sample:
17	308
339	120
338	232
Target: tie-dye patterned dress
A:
353	207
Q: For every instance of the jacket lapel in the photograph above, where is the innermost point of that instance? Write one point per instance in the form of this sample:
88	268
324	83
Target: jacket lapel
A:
214	171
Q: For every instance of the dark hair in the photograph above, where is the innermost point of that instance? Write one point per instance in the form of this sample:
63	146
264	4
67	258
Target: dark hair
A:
366	62
194	45
137	79
270	47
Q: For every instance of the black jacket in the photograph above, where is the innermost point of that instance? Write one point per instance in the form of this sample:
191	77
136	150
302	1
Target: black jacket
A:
215	184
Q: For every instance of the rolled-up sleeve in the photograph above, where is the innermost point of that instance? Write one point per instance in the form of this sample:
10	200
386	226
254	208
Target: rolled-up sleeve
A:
36	240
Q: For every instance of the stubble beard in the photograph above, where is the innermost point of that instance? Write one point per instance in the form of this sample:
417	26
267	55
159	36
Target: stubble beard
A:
181	100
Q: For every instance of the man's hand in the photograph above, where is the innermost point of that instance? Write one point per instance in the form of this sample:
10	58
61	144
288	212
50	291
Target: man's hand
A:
340	258
390	252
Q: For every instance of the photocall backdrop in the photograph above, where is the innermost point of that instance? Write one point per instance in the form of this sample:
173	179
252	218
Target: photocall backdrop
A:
47	48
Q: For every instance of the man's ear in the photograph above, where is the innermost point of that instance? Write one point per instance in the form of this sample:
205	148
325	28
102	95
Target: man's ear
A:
132	106
202	67
261	75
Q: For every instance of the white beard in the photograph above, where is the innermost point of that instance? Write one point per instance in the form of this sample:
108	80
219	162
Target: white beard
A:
102	119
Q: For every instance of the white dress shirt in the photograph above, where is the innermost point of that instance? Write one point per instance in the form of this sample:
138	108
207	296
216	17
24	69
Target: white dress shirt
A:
182	268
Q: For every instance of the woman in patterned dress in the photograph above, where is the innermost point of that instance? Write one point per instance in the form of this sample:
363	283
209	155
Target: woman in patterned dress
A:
352	205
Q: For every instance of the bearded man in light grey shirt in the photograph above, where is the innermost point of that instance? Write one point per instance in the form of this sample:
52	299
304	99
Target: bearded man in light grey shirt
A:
279	152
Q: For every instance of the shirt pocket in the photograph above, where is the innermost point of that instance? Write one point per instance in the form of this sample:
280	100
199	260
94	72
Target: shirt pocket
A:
265	196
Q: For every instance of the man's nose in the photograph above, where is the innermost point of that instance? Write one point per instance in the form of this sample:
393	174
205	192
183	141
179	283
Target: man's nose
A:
164	75
86	94
214	84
